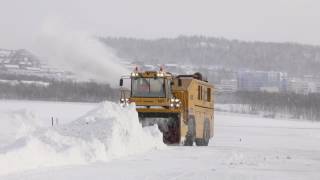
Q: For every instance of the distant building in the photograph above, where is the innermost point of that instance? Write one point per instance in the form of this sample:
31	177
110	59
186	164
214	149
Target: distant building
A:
298	86
303	86
11	67
262	81
226	86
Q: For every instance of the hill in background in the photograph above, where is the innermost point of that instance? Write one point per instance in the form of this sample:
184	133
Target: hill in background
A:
295	59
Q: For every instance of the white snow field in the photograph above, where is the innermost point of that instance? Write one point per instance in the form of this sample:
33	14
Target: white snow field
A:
104	141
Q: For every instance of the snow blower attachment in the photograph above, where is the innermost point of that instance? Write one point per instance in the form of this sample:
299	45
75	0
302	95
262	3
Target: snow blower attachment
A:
181	106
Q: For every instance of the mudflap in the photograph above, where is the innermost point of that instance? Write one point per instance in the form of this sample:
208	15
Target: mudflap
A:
168	124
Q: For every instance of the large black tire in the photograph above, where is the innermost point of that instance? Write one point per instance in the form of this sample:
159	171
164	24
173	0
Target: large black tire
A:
191	134
172	136
206	135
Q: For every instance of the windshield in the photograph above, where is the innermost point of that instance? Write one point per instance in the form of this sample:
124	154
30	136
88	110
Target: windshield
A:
147	87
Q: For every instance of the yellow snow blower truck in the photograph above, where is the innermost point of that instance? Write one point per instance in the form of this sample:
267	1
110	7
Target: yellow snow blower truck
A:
182	105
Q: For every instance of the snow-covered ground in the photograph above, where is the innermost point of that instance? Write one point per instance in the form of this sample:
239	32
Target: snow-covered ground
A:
103	141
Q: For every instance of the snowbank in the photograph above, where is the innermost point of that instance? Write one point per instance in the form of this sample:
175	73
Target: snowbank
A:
15	124
107	132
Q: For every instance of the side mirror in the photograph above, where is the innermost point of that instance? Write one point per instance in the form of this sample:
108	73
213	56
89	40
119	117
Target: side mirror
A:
121	82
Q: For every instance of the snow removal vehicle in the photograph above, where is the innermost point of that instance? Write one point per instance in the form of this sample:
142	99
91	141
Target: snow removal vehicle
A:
181	105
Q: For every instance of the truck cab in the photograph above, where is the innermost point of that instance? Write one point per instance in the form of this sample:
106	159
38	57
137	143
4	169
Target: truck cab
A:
167	100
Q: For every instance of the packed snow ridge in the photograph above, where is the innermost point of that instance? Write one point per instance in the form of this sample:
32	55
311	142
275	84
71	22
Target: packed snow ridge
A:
109	131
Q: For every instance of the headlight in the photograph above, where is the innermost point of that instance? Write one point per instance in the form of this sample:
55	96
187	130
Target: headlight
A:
160	74
134	74
124	101
174	102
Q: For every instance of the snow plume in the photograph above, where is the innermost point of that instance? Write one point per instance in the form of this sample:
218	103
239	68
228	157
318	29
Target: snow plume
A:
78	52
105	133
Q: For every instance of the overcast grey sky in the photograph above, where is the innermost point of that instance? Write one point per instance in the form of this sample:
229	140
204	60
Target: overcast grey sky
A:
263	20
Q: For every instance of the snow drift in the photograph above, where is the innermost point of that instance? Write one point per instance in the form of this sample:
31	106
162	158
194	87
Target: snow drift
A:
107	132
16	124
